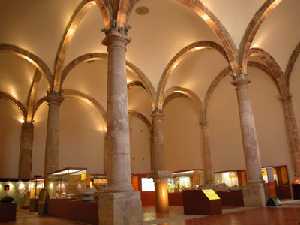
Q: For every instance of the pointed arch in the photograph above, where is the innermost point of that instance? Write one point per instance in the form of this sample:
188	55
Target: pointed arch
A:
29	57
100	56
70	30
142	117
199	45
183	92
268	60
20	106
265	10
91	100
291	64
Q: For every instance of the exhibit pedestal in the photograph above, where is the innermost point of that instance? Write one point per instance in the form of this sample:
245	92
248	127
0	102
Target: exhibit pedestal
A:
254	195
120	208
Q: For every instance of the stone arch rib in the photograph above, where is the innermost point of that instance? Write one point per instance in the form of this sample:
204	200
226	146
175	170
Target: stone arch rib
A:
29	57
20	106
267	8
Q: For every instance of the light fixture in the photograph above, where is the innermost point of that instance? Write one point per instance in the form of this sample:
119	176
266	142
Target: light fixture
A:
142	10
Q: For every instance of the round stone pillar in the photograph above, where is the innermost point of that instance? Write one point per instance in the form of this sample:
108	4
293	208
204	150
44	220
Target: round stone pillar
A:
119	204
117	112
292	132
254	194
160	177
25	164
208	169
54	100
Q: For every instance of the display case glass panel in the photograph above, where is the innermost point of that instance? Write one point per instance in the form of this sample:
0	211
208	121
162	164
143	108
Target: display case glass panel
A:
68	183
230	179
17	189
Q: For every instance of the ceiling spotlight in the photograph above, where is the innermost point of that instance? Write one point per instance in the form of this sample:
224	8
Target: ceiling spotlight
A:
142	10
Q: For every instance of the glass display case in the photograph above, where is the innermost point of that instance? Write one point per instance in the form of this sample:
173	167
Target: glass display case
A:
185	180
68	183
17	189
229	178
35	187
98	181
269	174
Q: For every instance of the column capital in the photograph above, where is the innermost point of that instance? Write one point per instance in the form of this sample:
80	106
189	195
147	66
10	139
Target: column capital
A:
157	113
203	123
285	97
27	125
54	98
240	80
117	36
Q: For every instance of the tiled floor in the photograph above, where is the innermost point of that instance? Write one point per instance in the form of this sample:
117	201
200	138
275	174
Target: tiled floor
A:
288	214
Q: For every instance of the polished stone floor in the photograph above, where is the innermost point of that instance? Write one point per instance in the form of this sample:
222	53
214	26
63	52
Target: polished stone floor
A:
288	214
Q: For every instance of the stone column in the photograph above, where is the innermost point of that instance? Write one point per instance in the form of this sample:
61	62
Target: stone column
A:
160	177
208	169
292	132
254	194
52	142
106	155
119	204
25	164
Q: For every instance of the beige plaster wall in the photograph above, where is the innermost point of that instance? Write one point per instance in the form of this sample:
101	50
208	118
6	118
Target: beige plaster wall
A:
182	150
140	137
81	136
10	129
39	140
224	128
269	120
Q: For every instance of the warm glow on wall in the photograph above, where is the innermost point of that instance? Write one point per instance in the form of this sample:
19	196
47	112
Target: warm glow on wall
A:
102	128
21	119
12	91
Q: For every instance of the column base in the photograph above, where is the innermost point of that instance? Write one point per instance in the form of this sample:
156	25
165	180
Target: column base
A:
120	208
254	195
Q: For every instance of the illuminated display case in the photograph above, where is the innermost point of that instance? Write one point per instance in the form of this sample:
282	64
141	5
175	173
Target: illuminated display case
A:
17	189
230	179
98	181
68	183
35	186
185	180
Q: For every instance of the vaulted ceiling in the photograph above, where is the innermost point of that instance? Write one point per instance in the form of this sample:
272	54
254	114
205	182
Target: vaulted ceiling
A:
173	43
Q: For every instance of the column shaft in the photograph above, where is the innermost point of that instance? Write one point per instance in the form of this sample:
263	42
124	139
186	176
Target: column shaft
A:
25	164
208	169
119	173
119	204
52	141
160	177
249	137
254	194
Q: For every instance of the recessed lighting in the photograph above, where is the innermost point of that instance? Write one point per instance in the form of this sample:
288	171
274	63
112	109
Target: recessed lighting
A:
142	10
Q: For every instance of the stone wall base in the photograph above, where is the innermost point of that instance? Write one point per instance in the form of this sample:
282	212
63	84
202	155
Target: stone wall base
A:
120	208
254	195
